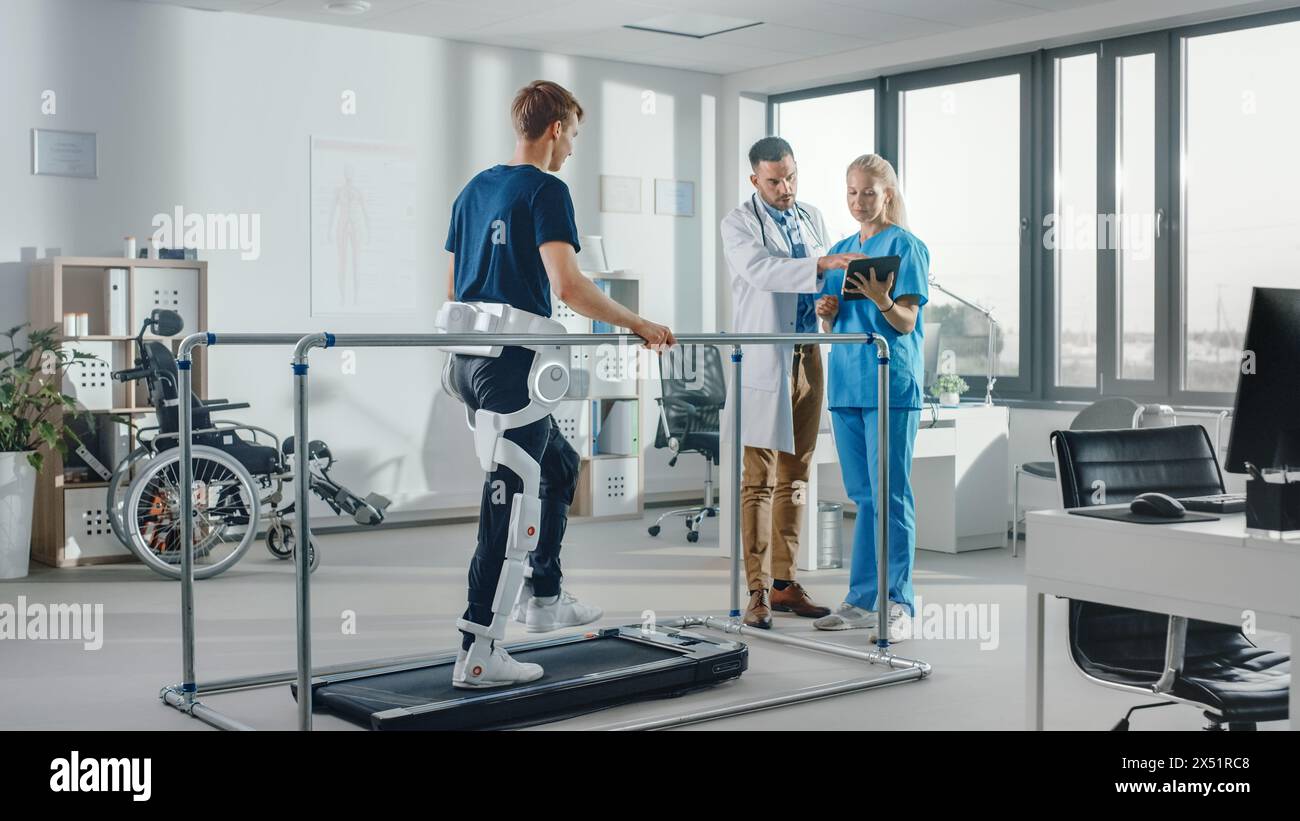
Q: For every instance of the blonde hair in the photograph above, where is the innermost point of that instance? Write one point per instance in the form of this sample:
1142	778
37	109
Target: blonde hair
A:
878	168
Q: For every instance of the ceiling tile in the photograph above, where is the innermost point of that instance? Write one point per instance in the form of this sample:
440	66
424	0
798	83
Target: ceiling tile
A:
790	40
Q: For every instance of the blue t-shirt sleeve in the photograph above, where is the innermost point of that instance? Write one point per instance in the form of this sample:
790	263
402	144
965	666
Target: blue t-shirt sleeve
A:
913	270
451	227
553	219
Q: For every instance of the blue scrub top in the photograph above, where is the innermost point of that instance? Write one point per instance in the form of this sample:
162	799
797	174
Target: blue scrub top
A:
852	382
497	223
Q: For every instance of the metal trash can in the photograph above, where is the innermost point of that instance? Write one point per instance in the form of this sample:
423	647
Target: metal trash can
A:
830	535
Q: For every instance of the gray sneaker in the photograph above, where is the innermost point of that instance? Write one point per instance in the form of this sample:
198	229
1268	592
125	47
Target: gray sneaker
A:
900	625
847	617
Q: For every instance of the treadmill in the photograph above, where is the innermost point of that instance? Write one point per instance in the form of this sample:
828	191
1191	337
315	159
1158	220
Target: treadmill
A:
585	672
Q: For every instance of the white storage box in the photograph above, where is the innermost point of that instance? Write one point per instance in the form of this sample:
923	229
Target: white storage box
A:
614	486
572	321
86	529
90	381
613	370
574	420
176	289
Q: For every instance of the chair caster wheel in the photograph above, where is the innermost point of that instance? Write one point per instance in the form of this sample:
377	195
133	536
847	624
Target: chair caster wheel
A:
654	530
693	536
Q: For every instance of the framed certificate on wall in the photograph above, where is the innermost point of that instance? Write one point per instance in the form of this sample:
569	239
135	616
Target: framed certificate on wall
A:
65	153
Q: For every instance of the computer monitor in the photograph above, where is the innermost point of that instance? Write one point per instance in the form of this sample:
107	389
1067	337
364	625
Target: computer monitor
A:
931	331
1266	412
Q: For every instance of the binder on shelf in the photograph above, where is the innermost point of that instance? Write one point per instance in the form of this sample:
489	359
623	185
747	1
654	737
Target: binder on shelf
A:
617	431
592	256
115	303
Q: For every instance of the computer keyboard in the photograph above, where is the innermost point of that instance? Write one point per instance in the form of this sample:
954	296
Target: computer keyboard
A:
1216	503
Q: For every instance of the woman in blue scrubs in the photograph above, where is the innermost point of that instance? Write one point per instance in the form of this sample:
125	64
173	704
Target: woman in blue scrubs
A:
893	310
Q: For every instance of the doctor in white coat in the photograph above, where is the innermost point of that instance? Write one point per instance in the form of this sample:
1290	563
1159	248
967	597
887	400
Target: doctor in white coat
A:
776	252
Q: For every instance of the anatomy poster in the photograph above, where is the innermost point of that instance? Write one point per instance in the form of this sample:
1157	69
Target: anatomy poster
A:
363	227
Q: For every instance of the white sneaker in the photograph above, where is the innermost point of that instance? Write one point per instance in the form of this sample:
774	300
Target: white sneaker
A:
501	671
848	617
900	625
554	612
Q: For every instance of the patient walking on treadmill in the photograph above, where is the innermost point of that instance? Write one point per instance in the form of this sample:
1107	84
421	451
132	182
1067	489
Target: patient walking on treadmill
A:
514	241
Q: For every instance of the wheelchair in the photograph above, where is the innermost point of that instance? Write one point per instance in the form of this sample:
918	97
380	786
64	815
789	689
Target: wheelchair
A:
239	474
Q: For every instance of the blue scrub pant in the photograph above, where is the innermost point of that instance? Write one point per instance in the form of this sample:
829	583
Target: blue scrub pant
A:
856	441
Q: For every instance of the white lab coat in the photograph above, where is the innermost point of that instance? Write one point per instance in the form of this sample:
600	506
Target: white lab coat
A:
765	288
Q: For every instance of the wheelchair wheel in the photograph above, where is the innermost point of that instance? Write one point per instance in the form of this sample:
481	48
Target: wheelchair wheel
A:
276	538
226	511
118	486
283	541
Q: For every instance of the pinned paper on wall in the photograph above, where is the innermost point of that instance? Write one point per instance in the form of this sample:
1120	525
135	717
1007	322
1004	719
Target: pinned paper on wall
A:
675	198
620	195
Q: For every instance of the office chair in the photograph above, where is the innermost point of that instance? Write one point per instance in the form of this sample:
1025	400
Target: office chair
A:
1213	667
1105	414
693	392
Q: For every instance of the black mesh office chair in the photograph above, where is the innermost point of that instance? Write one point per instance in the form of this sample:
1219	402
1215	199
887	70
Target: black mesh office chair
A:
1211	666
693	392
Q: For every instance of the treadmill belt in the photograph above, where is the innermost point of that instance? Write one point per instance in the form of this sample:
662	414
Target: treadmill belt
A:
584	673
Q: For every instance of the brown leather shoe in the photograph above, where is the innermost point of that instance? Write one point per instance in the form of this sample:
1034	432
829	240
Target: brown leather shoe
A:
794	599
759	612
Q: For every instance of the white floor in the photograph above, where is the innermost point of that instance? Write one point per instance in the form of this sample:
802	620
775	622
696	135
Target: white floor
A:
406	588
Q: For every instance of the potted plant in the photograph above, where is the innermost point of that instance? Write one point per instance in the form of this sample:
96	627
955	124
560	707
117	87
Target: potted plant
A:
948	388
32	408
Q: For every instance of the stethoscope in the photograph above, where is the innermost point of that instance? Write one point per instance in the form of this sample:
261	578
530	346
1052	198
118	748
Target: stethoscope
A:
800	214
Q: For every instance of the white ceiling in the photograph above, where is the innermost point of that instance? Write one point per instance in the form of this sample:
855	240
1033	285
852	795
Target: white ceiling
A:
791	29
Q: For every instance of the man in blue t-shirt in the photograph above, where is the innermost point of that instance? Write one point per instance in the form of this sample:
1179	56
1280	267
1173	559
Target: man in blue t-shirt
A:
513	240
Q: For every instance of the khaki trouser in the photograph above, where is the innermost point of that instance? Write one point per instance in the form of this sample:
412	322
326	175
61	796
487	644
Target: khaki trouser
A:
770	511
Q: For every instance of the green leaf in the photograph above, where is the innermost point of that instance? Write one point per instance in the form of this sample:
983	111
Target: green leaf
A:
36	459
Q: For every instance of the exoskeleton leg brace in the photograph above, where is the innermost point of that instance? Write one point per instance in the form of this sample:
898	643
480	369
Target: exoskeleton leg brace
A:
548	381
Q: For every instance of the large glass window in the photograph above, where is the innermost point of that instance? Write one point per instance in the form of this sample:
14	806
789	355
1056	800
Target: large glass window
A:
1241	200
1159	166
960	174
1074	220
1135	215
827	133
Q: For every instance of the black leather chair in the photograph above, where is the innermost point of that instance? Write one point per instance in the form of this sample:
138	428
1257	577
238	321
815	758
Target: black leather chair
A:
1211	666
693	392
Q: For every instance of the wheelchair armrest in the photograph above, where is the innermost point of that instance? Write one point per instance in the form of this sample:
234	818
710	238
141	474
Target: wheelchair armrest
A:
207	402
225	406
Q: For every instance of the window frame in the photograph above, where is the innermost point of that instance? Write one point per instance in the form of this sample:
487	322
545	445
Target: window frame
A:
1039	341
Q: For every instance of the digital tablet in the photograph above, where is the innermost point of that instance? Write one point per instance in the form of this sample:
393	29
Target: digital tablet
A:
860	268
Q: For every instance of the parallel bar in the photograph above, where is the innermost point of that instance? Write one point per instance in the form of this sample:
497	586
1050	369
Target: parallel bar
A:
882	500
254	682
184	697
798	697
737	469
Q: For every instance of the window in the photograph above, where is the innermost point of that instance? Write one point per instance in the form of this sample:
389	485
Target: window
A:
1112	202
1073	226
1135	214
827	133
1241	189
960	173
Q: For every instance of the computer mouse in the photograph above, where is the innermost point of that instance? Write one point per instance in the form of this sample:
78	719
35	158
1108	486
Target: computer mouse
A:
1157	504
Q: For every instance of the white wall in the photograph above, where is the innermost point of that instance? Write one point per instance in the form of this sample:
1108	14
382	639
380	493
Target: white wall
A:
213	112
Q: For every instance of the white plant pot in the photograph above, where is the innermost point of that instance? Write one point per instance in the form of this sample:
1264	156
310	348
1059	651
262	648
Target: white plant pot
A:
950	400
17	493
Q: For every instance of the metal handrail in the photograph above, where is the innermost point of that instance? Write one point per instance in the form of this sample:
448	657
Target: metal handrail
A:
183	696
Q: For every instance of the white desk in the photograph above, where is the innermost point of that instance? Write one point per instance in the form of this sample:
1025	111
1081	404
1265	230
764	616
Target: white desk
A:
1213	571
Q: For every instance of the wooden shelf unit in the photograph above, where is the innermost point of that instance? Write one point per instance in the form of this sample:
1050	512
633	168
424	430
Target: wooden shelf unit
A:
603	478
77	285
